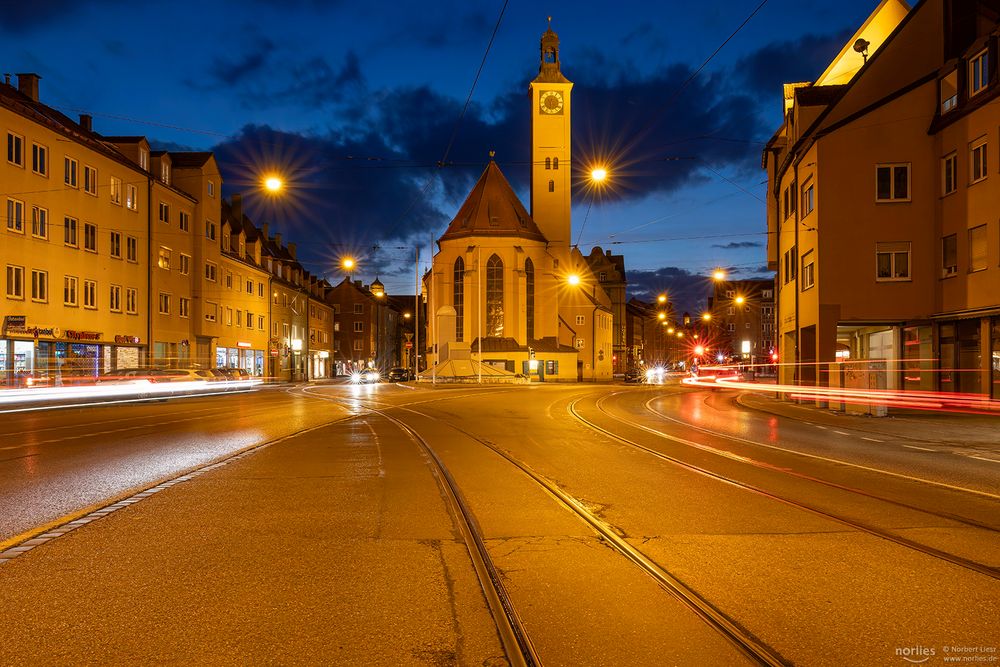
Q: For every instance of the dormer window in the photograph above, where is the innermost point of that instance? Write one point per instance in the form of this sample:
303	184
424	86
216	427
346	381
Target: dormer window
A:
978	72
949	92
144	158
165	172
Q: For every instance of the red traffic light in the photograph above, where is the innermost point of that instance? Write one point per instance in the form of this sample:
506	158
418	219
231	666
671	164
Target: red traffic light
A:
774	357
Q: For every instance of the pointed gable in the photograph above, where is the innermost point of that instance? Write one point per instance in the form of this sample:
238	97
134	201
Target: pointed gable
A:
492	209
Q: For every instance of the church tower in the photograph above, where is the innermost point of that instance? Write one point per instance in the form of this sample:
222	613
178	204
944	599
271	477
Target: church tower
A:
551	165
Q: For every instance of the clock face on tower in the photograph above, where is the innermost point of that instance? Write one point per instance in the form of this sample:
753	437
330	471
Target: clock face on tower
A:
550	102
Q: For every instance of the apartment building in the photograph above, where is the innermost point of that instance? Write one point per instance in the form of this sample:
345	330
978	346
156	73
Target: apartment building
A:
75	246
742	319
883	188
609	270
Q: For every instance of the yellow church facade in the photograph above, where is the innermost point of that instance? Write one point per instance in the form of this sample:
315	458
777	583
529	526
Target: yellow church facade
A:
507	294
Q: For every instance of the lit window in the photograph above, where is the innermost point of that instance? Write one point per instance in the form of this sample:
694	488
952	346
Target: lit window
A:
579	343
165	171
949	92
892	261
131	197
892	182
116	190
164	258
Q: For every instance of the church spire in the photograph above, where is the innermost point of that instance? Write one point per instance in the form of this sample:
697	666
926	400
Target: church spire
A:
548	68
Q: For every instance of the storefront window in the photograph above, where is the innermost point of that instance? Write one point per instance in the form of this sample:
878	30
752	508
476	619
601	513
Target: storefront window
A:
221	354
234	357
917	359
258	363
995	358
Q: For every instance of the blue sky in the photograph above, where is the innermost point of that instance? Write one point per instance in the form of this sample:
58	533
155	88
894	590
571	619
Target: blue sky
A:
358	101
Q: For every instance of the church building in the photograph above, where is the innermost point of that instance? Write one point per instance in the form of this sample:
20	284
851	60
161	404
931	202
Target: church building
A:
507	293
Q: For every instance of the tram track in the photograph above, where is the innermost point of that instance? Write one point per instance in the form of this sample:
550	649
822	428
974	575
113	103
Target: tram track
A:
975	566
744	641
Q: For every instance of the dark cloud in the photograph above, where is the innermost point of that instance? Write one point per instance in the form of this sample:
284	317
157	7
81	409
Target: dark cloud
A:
734	245
688	292
789	61
231	72
338	199
22	15
160	145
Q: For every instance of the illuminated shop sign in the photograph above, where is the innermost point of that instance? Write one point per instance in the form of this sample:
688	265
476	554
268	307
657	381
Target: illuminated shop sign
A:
132	340
243	344
82	335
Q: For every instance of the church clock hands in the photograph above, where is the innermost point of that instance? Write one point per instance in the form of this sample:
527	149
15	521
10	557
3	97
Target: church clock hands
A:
550	101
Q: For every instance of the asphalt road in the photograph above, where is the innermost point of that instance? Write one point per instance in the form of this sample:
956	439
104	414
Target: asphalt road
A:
824	539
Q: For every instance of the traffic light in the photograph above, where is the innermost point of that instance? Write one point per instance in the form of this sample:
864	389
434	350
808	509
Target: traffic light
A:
531	353
774	357
699	350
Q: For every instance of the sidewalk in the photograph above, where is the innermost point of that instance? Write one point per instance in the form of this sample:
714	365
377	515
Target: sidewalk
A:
331	547
945	428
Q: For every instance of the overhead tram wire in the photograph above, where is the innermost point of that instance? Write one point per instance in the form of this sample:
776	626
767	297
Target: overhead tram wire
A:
654	118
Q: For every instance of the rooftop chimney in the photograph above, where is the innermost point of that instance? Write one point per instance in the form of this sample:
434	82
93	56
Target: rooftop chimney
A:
27	83
87	122
263	231
277	240
291	250
237	209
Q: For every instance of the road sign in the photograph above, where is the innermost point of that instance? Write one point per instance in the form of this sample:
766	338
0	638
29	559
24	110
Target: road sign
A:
408	345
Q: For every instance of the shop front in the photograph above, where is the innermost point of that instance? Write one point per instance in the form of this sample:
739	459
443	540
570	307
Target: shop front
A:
33	354
242	356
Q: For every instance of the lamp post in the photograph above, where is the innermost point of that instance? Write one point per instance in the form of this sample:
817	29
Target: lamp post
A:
378	291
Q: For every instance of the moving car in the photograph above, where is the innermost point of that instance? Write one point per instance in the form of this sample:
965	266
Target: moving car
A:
368	376
399	374
633	375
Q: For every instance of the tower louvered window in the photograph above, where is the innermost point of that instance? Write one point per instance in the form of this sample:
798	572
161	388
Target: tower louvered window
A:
458	295
529	298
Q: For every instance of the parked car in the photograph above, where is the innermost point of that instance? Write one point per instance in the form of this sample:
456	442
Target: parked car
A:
235	373
633	375
184	375
399	375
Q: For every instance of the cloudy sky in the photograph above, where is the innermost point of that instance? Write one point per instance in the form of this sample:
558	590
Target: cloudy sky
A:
359	104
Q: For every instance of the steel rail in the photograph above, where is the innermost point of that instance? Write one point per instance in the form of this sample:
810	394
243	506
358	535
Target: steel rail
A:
980	568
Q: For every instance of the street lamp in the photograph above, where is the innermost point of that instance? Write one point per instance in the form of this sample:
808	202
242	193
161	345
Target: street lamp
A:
706	316
598	174
740	300
718	275
273	184
573	279
378	291
662	298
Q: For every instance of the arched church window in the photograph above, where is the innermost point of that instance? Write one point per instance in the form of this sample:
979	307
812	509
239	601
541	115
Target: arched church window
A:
458	299
548	163
494	297
529	298
552	186
555	163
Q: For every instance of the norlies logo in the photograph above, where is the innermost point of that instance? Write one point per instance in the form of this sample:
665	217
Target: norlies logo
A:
915	654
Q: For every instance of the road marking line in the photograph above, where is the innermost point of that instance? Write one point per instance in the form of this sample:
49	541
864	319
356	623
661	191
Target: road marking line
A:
982	458
841	433
923	449
872	439
818	426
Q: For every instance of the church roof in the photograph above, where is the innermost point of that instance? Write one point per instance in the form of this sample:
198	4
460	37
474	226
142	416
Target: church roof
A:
492	209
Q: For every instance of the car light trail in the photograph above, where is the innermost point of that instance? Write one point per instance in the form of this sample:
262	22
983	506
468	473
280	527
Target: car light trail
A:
136	389
914	400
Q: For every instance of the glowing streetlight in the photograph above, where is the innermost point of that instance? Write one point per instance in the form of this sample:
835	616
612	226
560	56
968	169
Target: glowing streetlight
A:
680	334
598	174
670	330
699	350
706	316
347	263
406	316
719	274
662	298
273	184
740	300
662	316
573	279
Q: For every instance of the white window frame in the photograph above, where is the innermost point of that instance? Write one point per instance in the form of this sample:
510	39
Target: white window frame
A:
359	327
184	307
39	286
894	249
164	212
979	72
808	276
40	159
978	160
163	303
90	180
71	232
185	264
131	197
15	215
892	167
211	311
15	149
163	257
71	289
116	191
132	249
210	230
15	282
950	160
184	221
808	203
115	244
89	237
115	298
90	294
131	301
71	172
211	271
